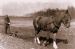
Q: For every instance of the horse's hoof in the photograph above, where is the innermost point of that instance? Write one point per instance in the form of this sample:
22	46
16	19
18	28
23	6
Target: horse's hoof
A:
55	45
45	43
40	44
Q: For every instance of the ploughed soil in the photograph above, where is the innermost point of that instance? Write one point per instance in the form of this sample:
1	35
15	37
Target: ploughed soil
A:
22	35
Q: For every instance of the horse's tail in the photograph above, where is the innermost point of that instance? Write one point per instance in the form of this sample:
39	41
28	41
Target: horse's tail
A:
35	21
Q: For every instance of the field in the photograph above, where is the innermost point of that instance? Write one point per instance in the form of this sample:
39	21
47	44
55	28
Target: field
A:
23	35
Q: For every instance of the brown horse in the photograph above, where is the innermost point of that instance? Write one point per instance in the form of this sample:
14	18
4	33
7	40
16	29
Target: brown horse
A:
51	23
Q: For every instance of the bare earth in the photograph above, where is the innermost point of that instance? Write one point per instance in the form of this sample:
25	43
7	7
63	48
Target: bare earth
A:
24	31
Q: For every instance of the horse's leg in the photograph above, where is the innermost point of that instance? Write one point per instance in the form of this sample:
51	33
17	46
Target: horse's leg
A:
36	37
47	40
54	41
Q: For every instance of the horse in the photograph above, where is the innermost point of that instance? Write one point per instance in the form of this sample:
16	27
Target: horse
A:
51	23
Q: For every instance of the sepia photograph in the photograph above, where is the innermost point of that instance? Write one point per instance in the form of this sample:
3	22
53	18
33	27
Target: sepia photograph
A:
37	24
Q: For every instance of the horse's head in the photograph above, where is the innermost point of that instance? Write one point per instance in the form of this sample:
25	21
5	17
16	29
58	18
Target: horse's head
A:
66	19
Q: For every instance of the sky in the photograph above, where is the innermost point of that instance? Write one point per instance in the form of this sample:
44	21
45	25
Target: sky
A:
35	1
5	3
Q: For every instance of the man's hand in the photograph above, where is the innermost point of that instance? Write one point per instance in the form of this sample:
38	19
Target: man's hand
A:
8	23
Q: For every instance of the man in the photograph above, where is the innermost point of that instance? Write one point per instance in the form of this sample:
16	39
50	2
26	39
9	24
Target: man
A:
7	24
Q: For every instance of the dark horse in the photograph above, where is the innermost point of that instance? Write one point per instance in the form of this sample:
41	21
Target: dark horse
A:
51	23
